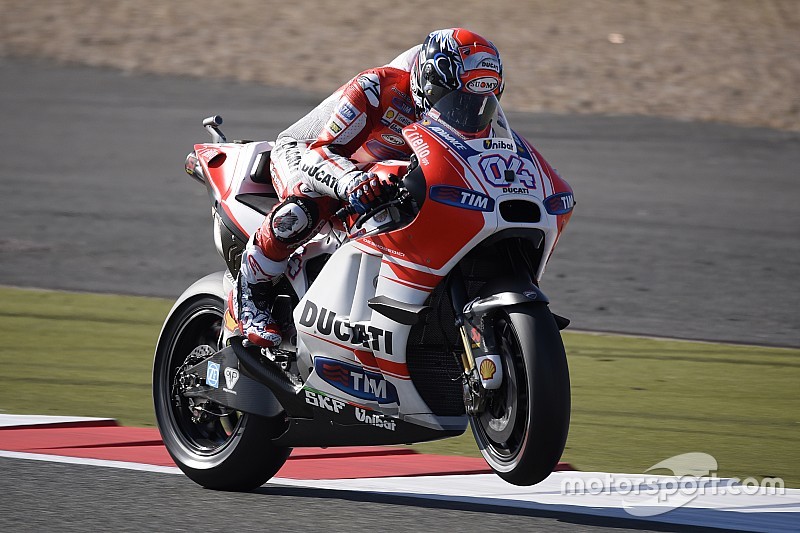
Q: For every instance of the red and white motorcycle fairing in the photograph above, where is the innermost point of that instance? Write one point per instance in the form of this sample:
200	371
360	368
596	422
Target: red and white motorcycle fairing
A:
377	312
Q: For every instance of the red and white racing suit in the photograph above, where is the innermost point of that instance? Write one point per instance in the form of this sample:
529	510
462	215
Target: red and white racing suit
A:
316	158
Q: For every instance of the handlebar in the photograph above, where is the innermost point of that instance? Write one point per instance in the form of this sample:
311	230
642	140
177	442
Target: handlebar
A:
398	195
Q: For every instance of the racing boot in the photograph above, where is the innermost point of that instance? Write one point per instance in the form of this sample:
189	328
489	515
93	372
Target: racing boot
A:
249	306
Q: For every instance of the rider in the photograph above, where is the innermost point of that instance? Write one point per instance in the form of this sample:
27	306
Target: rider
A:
317	162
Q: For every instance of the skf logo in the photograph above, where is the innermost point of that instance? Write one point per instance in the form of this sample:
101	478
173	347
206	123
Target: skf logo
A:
323	402
355	380
463	198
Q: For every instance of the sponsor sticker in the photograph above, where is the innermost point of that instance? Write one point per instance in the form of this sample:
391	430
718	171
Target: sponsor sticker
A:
317	399
483	85
497	144
375	419
460	197
417	142
393	139
443	133
403	106
355	380
482	61
371	86
487	369
560	203
383	151
212	374
347	112
231	377
389	116
326	323
335	127
403	120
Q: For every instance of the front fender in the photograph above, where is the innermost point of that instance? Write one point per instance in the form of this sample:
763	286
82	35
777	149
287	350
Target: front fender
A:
504	293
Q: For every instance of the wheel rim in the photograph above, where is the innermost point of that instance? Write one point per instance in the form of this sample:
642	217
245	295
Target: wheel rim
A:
503	426
198	336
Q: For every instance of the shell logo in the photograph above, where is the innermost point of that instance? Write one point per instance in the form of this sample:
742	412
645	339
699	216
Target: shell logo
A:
487	369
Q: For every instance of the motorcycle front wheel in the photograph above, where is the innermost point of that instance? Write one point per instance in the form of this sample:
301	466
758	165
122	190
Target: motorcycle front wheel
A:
216	447
523	430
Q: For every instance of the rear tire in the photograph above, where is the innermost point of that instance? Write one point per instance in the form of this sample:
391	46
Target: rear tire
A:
228	452
524	429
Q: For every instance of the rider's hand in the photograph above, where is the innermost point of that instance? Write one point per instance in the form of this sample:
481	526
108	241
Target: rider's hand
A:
366	191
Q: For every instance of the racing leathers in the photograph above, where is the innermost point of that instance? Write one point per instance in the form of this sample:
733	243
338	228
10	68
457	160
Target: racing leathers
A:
315	164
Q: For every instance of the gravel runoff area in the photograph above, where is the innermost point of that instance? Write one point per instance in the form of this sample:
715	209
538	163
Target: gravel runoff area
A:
735	61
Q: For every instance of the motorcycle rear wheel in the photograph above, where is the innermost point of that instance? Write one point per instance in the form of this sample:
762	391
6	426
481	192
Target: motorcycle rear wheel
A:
524	428
228	452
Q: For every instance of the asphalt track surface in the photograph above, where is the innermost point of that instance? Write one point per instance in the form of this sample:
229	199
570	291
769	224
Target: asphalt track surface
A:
65	497
681	229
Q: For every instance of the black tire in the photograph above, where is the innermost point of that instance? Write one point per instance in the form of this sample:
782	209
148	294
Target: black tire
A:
231	452
524	429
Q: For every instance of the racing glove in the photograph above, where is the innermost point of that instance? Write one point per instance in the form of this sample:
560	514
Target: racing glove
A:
366	191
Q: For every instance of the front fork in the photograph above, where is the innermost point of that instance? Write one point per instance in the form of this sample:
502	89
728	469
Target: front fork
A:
483	371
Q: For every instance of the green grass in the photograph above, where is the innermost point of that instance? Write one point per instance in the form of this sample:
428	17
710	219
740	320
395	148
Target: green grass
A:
635	401
78	354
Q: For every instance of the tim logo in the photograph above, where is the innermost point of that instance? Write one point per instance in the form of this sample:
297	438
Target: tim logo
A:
560	203
355	380
463	198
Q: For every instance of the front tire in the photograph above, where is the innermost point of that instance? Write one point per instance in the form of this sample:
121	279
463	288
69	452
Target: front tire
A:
524	428
214	446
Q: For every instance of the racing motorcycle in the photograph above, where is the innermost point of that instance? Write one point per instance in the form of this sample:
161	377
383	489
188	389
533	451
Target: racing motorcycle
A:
401	325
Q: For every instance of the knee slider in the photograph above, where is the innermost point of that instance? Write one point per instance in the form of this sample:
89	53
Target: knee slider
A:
294	220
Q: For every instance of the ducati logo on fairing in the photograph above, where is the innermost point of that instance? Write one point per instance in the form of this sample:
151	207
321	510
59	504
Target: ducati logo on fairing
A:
327	324
464	198
355	381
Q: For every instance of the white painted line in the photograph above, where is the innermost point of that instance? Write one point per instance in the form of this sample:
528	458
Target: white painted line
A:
758	512
141	467
40	420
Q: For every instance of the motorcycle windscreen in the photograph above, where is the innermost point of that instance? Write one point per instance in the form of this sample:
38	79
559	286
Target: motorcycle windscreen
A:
466	112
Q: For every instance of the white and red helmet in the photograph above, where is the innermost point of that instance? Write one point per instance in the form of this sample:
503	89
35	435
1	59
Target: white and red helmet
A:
455	60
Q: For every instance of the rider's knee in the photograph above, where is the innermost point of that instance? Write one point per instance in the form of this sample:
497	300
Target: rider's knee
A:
294	221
